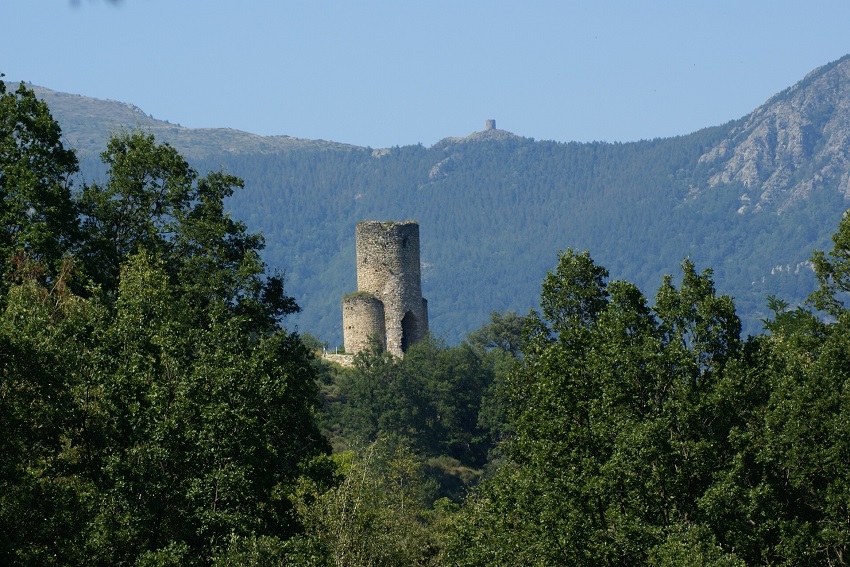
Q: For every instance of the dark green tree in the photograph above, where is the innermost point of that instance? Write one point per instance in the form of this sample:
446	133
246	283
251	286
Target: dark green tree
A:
195	452
45	497
162	415
38	219
615	431
431	398
833	272
783	499
503	333
375	515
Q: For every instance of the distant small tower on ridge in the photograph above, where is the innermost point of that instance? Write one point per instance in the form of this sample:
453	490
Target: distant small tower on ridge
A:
388	304
490	124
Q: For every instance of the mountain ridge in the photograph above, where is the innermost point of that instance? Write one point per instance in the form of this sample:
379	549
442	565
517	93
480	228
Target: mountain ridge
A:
750	199
87	123
795	143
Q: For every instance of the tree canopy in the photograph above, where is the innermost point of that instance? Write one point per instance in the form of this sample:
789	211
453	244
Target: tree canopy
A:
154	409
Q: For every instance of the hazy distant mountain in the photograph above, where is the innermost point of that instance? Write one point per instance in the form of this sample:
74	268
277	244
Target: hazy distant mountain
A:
750	199
87	123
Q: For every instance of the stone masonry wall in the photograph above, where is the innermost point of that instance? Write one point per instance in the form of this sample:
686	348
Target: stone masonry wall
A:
362	319
388	268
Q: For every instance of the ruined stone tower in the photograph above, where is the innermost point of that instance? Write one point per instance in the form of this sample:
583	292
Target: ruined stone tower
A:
388	304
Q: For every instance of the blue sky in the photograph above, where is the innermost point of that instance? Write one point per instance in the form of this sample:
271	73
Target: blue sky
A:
397	72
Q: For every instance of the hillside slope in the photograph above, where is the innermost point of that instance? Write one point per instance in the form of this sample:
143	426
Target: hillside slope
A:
750	199
797	143
88	122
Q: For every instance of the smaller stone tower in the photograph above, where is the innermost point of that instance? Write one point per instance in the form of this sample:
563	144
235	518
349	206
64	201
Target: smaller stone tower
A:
388	304
490	124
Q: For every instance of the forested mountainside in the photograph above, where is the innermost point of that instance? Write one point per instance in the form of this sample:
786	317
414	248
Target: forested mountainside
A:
750	199
156	411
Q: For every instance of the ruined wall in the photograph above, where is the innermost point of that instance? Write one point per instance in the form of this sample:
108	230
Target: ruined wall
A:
388	268
362	318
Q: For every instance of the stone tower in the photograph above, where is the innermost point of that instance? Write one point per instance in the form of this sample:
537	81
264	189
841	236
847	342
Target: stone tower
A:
388	304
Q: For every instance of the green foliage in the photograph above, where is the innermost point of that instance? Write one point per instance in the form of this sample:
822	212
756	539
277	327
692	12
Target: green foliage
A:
833	272
37	216
161	416
783	499
616	429
692	547
155	412
432	399
154	201
655	436
195	453
374	516
149	189
44	339
441	401
503	333
574	294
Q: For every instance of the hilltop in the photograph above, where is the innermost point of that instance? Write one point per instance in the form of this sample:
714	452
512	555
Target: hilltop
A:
87	123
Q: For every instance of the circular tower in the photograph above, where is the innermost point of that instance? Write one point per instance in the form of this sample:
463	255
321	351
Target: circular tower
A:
362	321
388	270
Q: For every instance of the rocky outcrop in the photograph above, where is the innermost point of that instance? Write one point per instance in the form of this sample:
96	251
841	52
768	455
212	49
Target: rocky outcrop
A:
796	143
483	136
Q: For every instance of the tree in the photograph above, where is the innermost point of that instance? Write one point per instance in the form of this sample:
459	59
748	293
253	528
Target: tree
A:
210	426
784	497
503	333
833	272
162	414
213	398
374	516
38	219
615	429
154	201
44	345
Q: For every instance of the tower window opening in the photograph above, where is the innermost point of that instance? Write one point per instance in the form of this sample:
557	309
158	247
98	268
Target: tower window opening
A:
408	330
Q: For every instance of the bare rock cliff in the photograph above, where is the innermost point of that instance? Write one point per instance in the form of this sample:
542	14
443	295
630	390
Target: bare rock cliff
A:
796	143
